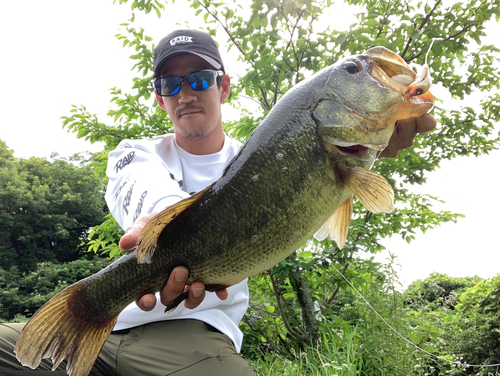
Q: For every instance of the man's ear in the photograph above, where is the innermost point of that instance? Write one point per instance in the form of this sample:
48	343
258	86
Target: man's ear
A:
160	101
225	86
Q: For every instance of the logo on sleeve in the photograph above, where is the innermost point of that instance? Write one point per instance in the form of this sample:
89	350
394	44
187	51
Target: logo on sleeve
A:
128	198
125	161
119	190
138	210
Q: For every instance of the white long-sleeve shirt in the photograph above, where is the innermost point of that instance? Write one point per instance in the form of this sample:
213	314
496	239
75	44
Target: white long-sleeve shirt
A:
149	175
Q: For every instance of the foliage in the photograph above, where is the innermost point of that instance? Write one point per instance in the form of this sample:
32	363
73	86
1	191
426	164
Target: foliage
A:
46	209
280	42
476	326
22	293
104	238
336	354
146	5
438	290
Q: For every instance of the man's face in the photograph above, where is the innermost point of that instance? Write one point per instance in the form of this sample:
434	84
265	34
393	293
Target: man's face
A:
195	114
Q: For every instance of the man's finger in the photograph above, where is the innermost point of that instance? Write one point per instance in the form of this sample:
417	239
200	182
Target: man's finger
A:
222	294
129	240
175	285
131	236
392	150
147	302
196	295
425	123
405	132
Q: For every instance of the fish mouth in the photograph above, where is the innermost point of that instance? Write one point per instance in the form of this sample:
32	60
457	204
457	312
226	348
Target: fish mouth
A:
388	64
357	122
362	152
358	151
392	70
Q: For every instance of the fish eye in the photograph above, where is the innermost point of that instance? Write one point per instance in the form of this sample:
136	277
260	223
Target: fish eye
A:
352	67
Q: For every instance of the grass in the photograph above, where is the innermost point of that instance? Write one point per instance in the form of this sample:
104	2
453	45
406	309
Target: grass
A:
336	354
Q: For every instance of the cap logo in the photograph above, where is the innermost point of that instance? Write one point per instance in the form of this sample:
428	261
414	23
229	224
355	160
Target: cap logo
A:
181	40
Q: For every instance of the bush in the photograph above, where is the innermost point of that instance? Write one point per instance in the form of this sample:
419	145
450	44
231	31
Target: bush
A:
477	326
437	290
22	293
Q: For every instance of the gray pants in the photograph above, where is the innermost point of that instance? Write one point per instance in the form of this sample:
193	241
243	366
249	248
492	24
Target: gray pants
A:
176	347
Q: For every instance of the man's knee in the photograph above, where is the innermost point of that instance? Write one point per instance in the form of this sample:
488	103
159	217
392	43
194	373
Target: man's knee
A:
9	365
220	365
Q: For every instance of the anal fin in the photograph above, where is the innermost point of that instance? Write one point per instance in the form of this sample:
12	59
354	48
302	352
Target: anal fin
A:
337	226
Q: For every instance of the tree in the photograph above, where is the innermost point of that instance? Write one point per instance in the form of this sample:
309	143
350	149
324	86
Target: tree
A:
46	209
475	330
281	42
438	290
22	293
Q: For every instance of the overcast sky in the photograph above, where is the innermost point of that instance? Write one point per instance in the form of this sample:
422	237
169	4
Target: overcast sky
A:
56	53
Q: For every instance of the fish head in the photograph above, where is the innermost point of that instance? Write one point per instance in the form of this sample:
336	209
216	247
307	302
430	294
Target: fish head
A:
360	102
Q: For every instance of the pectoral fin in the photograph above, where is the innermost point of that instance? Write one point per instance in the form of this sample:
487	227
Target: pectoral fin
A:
337	226
150	233
374	192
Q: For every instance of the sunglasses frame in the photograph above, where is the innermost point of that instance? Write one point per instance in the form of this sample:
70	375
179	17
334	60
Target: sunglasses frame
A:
217	79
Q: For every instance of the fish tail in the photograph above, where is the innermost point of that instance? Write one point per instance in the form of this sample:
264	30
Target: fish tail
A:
59	330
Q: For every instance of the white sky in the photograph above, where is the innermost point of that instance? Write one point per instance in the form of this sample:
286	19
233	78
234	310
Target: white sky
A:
56	53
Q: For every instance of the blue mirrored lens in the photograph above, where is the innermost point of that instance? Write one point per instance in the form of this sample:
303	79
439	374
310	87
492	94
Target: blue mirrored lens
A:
167	86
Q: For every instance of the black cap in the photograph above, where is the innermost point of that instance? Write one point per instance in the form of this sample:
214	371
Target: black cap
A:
187	41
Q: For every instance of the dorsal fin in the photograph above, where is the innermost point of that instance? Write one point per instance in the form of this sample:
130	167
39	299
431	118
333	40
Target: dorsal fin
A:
337	226
146	245
374	192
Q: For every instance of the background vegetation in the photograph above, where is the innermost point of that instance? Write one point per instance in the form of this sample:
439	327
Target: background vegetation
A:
305	318
47	209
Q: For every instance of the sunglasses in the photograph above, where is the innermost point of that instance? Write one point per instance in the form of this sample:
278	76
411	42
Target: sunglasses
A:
198	81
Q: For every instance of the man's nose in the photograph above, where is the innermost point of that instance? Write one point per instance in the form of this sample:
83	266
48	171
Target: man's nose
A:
186	93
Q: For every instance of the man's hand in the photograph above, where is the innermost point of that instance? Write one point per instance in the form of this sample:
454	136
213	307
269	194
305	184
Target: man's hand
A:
176	283
405	132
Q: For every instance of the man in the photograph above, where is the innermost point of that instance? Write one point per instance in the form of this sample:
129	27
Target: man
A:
200	336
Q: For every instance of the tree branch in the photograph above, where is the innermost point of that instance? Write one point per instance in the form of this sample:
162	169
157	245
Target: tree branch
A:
280	309
466	28
251	321
307	308
368	216
386	18
299	61
336	289
453	36
264	102
424	22
226	29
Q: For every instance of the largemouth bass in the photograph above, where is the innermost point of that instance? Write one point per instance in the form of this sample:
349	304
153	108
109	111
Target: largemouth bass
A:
294	177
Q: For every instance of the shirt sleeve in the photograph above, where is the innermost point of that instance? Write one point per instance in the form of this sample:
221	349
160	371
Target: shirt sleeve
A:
139	183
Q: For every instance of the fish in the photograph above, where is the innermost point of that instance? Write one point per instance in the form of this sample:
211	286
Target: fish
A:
295	177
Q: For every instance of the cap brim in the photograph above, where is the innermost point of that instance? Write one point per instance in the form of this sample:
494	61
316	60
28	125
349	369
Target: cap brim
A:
214	63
